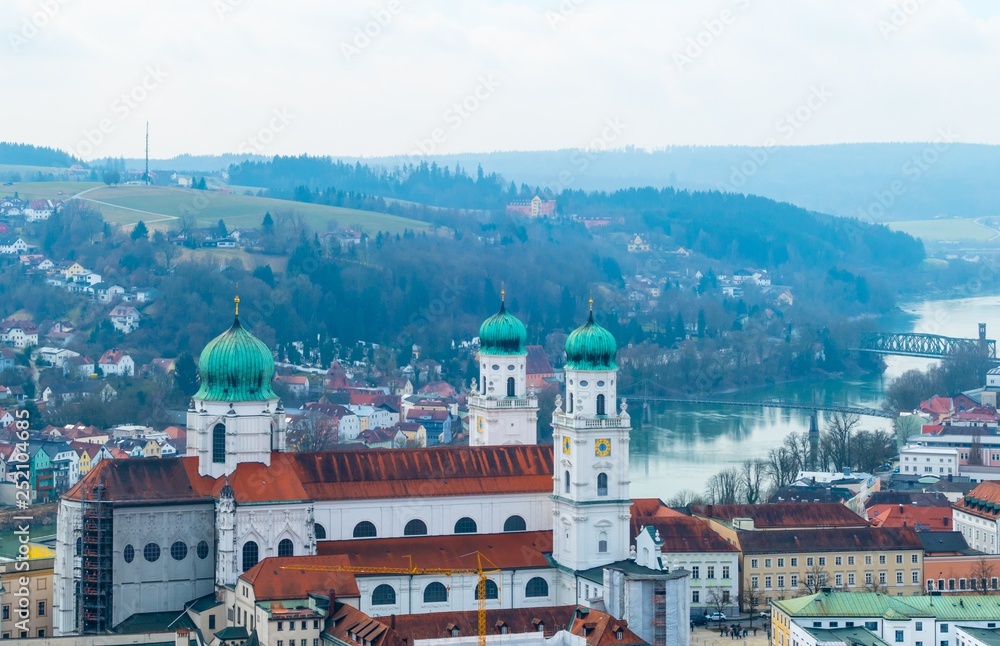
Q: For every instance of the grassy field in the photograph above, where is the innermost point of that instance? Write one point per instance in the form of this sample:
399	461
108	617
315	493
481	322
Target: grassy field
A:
945	229
160	205
46	190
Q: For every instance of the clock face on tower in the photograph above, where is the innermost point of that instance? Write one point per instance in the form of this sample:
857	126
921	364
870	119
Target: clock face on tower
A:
602	447
567	444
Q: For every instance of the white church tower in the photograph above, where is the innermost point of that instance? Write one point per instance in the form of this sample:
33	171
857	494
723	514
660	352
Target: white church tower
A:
591	502
235	416
501	410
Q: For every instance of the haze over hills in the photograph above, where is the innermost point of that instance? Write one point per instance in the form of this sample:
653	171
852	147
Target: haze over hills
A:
873	181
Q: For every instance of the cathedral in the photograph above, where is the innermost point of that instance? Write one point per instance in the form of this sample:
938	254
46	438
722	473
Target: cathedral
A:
141	536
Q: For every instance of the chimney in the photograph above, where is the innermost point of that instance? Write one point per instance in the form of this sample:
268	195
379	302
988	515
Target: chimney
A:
392	621
900	507
332	593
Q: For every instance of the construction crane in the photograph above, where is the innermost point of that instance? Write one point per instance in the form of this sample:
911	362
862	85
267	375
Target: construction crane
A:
481	574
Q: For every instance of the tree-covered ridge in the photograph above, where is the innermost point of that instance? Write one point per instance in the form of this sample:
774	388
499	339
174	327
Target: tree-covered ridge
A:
751	229
28	155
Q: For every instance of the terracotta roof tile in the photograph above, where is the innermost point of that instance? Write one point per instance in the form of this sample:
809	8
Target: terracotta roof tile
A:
513	550
983	501
347	622
272	582
679	532
439	471
933	518
172	479
829	540
784	515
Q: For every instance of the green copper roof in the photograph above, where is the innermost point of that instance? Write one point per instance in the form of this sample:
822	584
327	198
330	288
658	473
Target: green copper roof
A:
503	334
874	604
591	347
236	366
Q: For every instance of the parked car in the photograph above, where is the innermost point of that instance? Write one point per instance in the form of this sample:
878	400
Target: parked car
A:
765	614
716	616
699	620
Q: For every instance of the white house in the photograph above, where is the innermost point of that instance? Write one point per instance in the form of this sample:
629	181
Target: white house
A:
20	334
38	210
116	362
14	245
977	516
56	357
374	417
125	318
107	292
922	460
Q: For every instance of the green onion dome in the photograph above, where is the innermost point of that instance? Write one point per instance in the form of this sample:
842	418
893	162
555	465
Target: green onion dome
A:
236	366
591	347
503	334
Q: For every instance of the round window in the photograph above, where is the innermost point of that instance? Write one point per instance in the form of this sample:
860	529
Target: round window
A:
178	551
584	383
151	552
496	367
511	367
129	553
600	384
203	550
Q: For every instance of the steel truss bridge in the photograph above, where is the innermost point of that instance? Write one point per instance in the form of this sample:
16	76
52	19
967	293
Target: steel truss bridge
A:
932	346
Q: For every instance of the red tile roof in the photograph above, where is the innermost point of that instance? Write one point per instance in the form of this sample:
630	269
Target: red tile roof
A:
424	414
151	481
600	627
787	515
864	539
439	471
515	550
923	518
679	532
351	626
983	501
112	357
271	580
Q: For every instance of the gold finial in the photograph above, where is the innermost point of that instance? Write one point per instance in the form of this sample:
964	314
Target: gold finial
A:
236	301
591	301
503	292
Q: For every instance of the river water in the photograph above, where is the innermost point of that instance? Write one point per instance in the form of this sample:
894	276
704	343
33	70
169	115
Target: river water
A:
685	444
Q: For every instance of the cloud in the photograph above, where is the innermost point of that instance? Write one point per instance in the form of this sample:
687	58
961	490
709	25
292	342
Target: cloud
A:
565	67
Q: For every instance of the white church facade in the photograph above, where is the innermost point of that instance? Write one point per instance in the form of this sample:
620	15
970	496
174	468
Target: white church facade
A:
139	536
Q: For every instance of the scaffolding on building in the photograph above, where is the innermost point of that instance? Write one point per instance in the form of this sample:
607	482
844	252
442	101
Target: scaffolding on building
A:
94	601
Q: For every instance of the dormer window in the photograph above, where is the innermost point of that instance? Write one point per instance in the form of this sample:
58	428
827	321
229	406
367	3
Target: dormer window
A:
454	632
619	634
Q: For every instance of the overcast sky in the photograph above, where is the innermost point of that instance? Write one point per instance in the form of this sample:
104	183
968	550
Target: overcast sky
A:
385	77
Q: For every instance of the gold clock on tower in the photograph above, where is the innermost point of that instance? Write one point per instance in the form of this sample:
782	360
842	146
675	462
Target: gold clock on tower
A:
567	445
602	447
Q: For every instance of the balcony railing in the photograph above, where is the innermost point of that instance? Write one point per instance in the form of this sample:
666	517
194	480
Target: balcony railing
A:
506	402
589	422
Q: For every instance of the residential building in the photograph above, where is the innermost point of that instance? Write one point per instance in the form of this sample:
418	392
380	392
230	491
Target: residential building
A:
977	517
934	460
952	567
14	246
536	207
820	619
124	318
30	581
116	362
19	334
669	540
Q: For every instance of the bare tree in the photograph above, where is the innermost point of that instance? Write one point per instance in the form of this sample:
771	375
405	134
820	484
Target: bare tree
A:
836	441
876	586
753	480
724	488
976	447
717	598
985	572
751	598
685	497
816	578
307	434
782	466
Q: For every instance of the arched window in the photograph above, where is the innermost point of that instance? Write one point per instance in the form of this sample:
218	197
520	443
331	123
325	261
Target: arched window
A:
514	524
79	545
536	587
365	529
129	553
383	595
415	527
219	444
602	484
569	409
285	547
203	550
465	526
566	482
600	404
250	555
492	592
602	542
510	386
435	593
320	532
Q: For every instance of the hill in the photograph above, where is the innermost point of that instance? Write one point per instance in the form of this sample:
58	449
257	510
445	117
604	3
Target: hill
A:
160	205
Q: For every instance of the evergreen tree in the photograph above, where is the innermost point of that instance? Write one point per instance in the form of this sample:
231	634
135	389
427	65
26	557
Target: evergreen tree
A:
267	224
139	231
220	230
185	375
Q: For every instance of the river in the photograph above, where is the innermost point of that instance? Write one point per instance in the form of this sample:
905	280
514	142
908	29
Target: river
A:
685	444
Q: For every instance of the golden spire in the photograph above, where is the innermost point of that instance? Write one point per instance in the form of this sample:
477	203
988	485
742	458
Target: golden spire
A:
236	301
591	301
503	292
